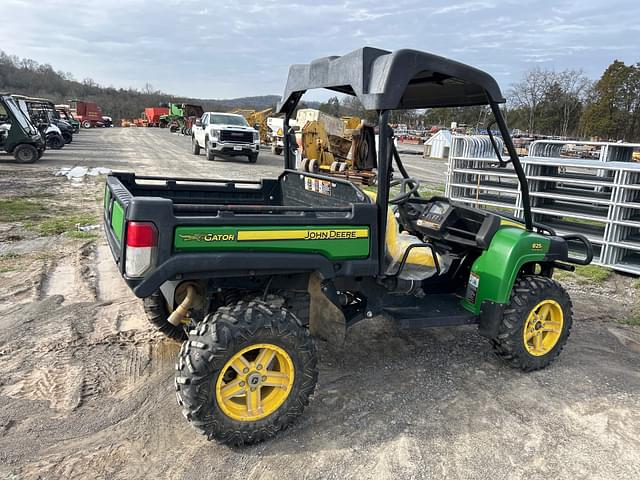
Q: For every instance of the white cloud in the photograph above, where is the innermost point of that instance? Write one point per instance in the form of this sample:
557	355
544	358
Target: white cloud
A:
465	7
229	49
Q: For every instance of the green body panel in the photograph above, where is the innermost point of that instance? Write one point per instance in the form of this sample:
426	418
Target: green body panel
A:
232	239
496	269
117	220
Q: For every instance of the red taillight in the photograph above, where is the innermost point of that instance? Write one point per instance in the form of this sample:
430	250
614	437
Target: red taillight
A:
141	234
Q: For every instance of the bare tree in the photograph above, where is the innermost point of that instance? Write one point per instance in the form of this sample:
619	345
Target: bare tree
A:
529	93
575	87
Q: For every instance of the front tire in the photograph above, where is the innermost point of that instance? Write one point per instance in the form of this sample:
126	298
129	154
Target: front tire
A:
195	148
211	156
86	124
55	142
535	325
246	373
253	158
26	153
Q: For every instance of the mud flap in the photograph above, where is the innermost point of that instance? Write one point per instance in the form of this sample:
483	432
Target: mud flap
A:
326	320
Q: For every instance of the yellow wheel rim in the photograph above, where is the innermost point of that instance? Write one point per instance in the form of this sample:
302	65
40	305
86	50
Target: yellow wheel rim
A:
255	382
543	327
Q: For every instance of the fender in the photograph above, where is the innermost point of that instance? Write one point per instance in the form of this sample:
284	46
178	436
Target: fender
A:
494	272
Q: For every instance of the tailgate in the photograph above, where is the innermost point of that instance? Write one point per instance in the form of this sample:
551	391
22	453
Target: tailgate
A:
116	201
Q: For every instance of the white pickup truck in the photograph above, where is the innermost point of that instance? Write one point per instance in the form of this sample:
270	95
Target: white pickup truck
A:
225	135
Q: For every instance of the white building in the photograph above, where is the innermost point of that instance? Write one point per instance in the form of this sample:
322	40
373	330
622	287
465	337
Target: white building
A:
438	146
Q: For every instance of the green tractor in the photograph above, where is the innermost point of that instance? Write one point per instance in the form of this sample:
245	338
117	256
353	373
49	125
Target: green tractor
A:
18	136
247	273
181	117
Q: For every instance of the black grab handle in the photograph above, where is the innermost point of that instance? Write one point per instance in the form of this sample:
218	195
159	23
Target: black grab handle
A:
587	245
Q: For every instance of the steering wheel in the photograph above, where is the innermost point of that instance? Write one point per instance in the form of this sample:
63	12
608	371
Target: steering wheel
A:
408	187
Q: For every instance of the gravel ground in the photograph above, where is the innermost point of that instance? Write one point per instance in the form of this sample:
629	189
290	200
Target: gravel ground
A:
86	389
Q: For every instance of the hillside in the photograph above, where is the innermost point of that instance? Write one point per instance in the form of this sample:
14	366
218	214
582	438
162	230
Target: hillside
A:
27	77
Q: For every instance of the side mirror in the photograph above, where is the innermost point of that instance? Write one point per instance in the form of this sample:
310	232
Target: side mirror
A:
256	126
198	123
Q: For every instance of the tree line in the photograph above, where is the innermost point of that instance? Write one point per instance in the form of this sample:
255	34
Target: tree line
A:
543	102
546	102
27	77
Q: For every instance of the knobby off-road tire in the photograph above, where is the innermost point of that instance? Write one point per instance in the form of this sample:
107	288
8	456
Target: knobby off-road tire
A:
204	372
155	306
530	294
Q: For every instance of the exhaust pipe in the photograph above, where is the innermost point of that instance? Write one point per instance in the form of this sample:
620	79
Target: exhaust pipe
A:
179	313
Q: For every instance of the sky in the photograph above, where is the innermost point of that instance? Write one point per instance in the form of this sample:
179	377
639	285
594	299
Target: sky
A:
214	49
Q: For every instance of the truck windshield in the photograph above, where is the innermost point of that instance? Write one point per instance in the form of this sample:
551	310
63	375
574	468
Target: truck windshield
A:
218	119
19	115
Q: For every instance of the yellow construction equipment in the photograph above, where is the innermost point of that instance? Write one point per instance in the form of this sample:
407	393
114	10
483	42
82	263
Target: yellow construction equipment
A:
256	119
328	145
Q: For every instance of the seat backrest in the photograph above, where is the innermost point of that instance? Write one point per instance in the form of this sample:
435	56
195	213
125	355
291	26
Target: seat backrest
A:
396	243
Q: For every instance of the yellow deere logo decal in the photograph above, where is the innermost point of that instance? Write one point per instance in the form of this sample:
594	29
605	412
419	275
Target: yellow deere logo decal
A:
207	237
303	234
536	246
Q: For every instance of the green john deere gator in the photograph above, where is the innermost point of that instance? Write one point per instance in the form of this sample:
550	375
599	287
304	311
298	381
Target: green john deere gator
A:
247	273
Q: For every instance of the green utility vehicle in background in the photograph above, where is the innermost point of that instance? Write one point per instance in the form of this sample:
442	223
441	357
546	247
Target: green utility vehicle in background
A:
246	273
181	117
18	136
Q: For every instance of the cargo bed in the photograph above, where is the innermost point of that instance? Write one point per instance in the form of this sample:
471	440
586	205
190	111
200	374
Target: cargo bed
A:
297	222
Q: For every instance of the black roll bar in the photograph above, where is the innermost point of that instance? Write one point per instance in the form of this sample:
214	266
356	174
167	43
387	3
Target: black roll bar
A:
382	199
517	166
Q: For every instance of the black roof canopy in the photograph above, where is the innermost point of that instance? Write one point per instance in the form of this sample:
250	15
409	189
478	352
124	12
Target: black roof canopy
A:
383	80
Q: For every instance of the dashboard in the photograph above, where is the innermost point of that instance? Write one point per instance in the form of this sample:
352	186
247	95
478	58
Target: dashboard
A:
437	218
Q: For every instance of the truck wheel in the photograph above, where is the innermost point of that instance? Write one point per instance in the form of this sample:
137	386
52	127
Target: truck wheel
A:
155	306
246	373
535	325
208	152
55	142
86	124
253	158
195	148
26	153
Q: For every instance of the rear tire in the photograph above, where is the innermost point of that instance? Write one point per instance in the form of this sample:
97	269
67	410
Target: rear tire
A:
195	148
155	306
204	373
253	158
26	153
529	296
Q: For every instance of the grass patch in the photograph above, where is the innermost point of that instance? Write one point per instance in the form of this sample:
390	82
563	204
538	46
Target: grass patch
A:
586	274
8	262
81	235
18	209
64	224
634	320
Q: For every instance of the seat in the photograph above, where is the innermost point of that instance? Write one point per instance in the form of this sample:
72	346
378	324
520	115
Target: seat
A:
420	264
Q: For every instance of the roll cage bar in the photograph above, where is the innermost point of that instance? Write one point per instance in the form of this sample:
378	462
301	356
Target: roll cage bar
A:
400	80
